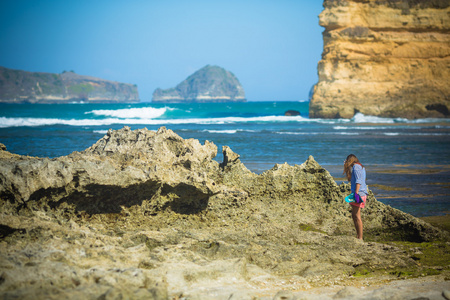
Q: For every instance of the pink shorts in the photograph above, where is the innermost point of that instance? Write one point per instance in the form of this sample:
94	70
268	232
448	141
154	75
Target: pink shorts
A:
362	204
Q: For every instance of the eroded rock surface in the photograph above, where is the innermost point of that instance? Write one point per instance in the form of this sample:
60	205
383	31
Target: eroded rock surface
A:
144	214
384	58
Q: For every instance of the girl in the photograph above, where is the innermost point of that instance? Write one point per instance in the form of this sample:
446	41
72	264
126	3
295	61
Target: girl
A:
356	174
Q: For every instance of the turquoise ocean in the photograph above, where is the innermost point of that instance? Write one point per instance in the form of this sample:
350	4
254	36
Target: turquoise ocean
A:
410	156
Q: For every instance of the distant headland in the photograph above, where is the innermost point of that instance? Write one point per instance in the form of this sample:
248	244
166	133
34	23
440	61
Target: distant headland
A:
18	86
209	84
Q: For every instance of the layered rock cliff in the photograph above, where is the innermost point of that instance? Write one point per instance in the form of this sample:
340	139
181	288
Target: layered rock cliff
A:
147	215
209	84
386	58
36	87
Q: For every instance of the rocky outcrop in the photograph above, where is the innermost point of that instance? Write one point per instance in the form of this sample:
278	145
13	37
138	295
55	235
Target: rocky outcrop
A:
384	58
291	113
36	87
209	84
144	214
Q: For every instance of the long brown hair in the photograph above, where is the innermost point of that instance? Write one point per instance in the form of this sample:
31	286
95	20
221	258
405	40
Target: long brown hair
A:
348	165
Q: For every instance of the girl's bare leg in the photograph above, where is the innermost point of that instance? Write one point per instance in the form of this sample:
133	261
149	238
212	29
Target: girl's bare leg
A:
356	215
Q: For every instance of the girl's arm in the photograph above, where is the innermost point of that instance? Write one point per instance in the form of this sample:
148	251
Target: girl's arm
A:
358	185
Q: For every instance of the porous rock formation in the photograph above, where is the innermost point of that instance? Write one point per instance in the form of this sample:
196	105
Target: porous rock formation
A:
209	84
18	86
148	215
387	58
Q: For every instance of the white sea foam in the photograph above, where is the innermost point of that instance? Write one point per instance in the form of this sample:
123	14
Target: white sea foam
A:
315	133
126	113
150	116
16	122
429	133
221	131
361	118
230	131
101	131
431	120
391	133
360	128
297	133
416	133
330	121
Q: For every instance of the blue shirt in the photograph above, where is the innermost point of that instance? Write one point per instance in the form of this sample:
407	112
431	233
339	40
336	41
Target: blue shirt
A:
359	176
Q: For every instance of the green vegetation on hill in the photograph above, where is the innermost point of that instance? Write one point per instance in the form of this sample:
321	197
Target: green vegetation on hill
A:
209	84
18	86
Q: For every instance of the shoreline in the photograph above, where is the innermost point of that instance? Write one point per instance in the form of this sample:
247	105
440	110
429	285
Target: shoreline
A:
409	122
420	190
398	185
441	222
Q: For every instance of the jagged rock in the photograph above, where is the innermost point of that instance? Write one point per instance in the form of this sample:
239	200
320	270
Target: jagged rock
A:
292	113
209	84
141	163
156	171
384	58
144	214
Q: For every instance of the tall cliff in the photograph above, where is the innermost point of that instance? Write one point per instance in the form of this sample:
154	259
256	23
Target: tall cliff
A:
18	86
209	84
385	58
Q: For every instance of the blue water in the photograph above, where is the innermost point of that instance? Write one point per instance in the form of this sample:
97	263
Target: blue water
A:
258	131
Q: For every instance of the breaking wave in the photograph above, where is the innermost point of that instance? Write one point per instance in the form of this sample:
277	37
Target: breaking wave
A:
132	113
168	116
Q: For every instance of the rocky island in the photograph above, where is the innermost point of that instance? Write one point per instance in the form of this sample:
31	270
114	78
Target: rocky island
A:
209	84
384	58
149	215
18	86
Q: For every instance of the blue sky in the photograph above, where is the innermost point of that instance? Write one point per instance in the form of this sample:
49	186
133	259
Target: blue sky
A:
273	47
